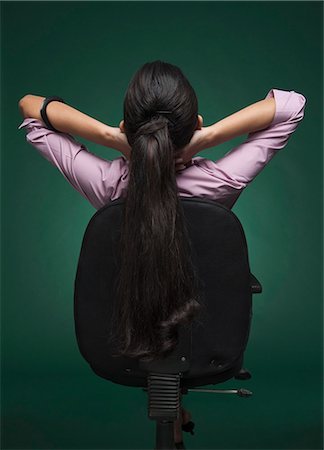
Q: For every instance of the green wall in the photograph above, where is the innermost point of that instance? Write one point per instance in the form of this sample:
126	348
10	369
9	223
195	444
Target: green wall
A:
233	53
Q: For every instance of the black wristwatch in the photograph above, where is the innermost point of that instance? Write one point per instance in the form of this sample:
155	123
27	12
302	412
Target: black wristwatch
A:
43	110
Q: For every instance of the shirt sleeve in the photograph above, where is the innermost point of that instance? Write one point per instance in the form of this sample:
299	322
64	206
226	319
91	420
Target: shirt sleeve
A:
245	161
95	178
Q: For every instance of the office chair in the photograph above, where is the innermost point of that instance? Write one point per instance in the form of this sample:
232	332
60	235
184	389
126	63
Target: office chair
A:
210	350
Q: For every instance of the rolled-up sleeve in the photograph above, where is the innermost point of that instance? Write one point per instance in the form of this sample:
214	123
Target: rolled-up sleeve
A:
245	161
95	178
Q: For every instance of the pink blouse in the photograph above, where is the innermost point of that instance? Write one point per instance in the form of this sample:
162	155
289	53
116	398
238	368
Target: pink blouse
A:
100	180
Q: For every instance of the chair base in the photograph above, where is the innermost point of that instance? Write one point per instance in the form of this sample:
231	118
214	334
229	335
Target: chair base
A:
164	435
164	404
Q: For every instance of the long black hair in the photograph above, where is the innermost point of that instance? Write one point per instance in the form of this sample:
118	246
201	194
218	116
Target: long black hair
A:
158	285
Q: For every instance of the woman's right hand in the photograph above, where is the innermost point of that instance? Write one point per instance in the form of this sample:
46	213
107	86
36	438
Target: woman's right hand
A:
200	140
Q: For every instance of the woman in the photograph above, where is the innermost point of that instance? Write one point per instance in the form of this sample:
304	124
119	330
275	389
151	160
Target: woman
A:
159	136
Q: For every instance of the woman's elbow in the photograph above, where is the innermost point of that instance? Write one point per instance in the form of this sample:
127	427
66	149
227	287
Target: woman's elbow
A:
21	103
26	105
23	99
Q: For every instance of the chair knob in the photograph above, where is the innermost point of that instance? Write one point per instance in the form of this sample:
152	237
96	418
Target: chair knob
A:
243	374
244	393
188	427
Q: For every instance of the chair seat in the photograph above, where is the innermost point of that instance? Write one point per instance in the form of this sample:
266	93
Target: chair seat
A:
129	378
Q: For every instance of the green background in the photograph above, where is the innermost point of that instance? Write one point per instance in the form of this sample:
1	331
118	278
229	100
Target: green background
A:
233	53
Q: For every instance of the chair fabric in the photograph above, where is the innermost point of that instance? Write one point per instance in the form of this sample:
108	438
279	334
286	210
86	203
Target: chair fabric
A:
219	335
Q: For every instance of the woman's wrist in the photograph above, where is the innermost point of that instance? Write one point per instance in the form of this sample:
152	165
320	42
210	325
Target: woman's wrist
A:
205	137
114	138
254	117
67	119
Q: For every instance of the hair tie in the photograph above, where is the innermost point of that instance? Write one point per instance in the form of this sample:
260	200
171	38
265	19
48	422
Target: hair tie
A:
165	112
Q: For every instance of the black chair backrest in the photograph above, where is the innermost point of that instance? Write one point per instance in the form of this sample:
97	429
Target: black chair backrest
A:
218	335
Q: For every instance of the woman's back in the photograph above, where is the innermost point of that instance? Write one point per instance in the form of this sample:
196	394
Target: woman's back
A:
100	180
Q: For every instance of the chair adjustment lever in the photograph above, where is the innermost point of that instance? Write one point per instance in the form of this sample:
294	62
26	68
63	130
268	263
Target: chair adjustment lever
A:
240	392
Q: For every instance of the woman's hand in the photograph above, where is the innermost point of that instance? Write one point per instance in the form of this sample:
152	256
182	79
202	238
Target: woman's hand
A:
201	139
118	140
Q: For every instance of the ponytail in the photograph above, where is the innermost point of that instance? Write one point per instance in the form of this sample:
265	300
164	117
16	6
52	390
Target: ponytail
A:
157	287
